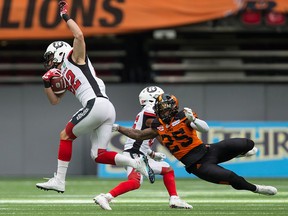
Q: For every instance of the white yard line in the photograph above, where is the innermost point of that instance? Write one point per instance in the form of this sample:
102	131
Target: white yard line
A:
87	201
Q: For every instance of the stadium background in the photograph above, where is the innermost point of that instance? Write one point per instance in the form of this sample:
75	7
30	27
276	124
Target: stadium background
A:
231	69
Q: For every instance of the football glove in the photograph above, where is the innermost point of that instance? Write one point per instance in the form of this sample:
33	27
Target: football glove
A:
48	75
115	127
157	156
63	7
189	114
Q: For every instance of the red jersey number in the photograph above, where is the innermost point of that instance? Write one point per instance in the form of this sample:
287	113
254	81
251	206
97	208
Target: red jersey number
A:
74	83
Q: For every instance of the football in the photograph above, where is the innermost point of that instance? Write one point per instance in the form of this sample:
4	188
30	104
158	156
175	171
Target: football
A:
58	84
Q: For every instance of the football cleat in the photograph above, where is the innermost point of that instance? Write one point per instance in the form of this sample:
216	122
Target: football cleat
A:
250	153
176	202
265	190
151	174
102	201
143	167
54	184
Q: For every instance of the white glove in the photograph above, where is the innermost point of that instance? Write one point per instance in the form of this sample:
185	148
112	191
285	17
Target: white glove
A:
189	114
63	7
115	127
157	156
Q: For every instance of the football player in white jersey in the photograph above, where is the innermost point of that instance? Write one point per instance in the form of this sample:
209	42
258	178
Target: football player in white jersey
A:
135	148
97	115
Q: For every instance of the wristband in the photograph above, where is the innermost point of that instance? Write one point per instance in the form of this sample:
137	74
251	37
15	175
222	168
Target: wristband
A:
66	17
152	154
194	119
46	84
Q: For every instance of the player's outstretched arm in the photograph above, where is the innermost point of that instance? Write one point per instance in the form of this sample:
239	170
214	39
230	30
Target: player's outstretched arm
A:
157	156
79	46
200	125
148	133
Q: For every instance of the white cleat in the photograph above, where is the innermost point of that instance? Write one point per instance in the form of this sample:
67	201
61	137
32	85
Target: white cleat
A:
265	190
176	202
102	201
250	153
143	167
52	184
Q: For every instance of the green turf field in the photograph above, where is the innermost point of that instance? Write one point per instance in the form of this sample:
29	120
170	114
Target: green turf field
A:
21	197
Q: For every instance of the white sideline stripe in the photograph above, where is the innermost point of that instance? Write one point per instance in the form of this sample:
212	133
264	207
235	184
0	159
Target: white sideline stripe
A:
77	201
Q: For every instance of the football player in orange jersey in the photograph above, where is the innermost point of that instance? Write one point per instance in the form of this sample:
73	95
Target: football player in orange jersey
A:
177	132
134	148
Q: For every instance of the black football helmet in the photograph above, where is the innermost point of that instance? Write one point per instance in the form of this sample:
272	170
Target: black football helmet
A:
166	107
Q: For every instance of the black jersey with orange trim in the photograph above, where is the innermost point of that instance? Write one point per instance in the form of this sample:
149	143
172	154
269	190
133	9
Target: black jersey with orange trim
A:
177	137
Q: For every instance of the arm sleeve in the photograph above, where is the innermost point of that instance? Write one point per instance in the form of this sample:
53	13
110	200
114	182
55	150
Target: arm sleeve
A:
200	125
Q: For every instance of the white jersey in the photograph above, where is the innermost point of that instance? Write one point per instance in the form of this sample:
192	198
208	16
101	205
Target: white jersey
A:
82	80
135	146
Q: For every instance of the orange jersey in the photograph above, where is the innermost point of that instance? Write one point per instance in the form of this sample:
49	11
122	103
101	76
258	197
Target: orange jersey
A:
177	137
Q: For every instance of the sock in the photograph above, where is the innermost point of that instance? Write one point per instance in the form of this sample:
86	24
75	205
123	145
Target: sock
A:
105	157
125	187
133	183
64	157
169	182
65	150
62	170
239	183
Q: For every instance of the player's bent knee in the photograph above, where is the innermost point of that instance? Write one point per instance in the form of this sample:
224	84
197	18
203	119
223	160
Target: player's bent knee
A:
69	131
64	136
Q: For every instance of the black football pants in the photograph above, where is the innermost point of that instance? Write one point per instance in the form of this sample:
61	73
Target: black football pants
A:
207	167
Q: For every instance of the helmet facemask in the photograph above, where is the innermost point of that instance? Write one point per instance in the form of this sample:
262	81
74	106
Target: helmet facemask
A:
50	61
166	107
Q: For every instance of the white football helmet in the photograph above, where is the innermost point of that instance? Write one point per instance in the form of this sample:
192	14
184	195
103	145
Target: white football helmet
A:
55	54
149	94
